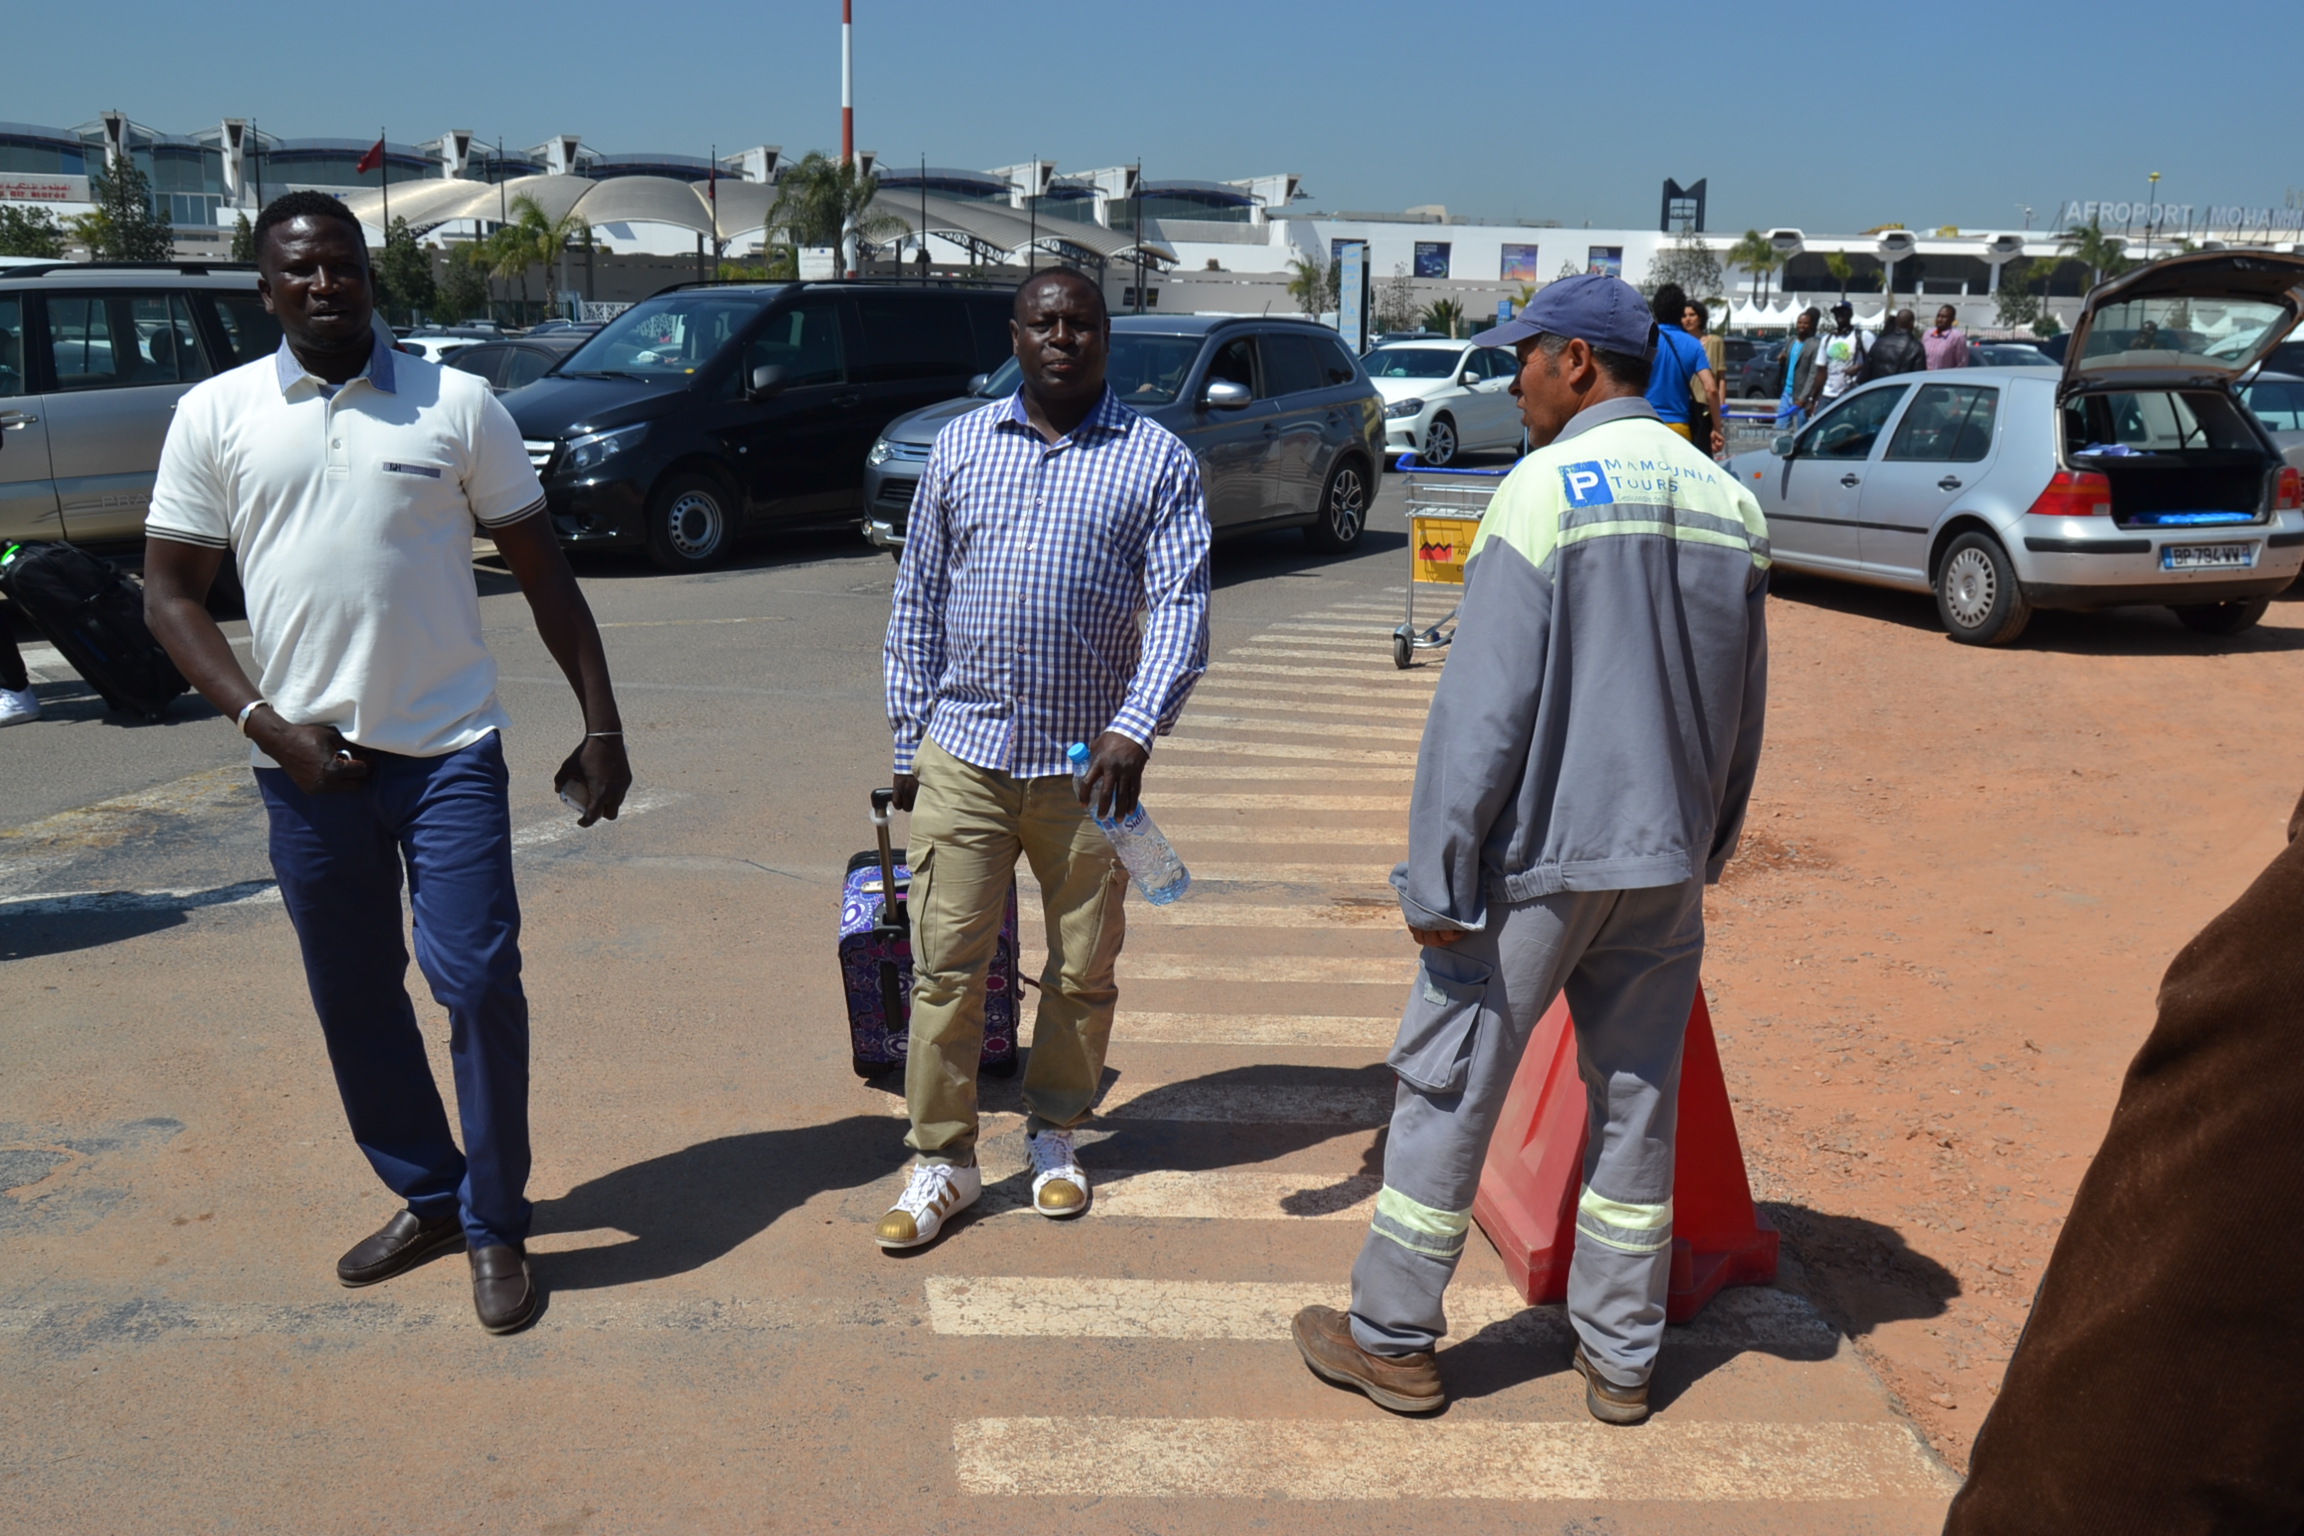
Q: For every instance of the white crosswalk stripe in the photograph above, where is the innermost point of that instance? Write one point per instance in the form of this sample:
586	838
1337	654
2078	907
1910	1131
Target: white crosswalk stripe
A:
1164	1194
1679	1461
1185	914
1377	662
1376	842
1163	769
1357	731
1296	704
1337	970
1342	756
1307	802
1367	1031
1407	682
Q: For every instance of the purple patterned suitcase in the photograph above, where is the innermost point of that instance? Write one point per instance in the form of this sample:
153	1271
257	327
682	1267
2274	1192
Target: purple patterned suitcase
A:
876	964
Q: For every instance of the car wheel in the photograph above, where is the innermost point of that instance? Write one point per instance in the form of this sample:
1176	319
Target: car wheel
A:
1343	514
1977	595
2221	618
688	523
1439	444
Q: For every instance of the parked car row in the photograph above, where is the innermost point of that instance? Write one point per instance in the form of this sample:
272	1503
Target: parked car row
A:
2138	472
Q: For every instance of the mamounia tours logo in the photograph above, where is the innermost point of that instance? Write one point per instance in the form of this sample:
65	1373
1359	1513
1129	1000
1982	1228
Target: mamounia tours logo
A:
1599	482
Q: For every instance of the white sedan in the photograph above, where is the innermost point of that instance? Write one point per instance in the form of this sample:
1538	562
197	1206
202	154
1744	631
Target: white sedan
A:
1443	398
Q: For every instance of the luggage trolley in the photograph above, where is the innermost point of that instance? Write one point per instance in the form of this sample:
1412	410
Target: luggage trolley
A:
1444	511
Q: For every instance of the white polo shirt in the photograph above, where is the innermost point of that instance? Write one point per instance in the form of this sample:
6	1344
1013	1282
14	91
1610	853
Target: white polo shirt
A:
350	513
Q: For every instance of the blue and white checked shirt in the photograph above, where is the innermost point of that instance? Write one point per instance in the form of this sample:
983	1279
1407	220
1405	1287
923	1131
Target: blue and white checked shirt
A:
1027	566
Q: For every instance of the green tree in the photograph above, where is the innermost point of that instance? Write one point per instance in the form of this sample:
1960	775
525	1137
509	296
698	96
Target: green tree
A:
1317	286
1444	315
2099	252
463	290
1837	263
1689	261
126	225
1757	255
2045	327
533	239
30	232
1396	302
243	239
2016	303
404	283
823	201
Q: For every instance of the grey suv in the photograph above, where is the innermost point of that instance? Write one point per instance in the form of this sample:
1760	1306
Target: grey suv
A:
1287	428
93	358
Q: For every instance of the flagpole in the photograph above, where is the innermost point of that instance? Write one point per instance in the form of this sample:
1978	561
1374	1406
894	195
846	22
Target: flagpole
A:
384	177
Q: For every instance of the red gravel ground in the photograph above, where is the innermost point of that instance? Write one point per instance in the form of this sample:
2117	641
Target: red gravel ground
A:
1963	876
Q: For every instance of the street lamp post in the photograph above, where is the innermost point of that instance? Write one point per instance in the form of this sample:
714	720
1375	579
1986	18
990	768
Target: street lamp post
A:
2152	186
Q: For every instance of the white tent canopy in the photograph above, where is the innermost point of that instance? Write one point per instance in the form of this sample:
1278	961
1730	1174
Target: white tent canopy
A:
725	209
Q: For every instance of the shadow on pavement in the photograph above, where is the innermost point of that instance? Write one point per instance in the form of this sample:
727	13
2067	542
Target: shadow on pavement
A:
62	924
689	1207
1862	1273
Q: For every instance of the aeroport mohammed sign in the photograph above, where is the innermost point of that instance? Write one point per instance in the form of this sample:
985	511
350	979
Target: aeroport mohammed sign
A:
44	189
2119	215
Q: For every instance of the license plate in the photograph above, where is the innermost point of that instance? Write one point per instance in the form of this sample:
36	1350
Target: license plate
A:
2207	557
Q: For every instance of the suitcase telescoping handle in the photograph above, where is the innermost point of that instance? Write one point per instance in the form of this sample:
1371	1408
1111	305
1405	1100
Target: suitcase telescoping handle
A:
884	801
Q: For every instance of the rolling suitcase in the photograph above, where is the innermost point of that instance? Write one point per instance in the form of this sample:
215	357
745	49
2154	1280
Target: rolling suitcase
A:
876	962
94	616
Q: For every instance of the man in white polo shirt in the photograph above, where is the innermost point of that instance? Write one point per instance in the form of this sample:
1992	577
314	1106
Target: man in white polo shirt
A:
347	481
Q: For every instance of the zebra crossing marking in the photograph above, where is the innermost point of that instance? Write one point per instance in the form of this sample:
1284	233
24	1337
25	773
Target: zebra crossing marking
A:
1225	915
1171	1194
1360	729
1360	1031
1299	970
1224	670
1162	771
1338	755
1681	1461
1252	802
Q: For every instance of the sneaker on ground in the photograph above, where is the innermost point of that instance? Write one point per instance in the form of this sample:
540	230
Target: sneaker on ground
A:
1059	1187
935	1192
18	705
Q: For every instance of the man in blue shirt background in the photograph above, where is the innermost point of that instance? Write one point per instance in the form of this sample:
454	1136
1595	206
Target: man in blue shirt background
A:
1680	369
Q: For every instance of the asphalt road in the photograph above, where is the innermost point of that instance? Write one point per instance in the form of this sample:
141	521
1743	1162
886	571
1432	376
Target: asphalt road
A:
725	1349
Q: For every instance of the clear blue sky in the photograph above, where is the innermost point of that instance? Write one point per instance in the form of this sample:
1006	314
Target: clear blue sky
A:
1951	113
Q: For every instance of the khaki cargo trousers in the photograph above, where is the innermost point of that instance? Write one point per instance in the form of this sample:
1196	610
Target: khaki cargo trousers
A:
969	824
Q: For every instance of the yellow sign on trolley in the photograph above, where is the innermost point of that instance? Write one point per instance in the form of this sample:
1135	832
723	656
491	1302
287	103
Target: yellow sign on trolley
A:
1442	543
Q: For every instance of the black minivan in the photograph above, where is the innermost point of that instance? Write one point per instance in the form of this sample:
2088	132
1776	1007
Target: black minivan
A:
713	410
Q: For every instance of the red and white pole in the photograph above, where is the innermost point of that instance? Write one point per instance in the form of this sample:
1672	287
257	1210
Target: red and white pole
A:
847	82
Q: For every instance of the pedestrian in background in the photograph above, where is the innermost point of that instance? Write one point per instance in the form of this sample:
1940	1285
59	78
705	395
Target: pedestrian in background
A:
1554	844
2158	1388
1802	350
1681	374
1711	421
1054	590
18	703
1844	350
1897	350
347	480
1947	344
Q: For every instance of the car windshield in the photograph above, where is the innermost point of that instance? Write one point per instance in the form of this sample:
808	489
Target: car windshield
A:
1411	363
1143	370
669	336
2171	332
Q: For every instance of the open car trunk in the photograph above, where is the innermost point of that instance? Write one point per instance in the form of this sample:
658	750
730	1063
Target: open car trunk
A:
2175	459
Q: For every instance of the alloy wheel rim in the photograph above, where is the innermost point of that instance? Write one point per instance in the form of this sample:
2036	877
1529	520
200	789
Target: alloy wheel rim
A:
1970	588
1439	443
1347	505
694	525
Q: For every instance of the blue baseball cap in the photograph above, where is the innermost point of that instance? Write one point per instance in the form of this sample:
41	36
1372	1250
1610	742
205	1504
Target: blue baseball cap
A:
1606	313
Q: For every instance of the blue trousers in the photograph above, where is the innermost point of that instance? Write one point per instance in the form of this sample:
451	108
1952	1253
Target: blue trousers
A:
447	821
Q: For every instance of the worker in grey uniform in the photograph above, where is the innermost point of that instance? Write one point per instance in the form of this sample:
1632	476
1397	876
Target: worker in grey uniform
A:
1583	776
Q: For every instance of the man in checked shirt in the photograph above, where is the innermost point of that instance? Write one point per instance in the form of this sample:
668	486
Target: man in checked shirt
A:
1054	589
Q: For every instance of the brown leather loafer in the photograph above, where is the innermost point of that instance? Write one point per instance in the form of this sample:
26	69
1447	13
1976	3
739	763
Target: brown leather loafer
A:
1606	1401
398	1246
1402	1383
504	1293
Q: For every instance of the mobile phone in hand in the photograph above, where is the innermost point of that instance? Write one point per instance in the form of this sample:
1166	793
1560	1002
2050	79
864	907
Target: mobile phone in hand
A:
576	794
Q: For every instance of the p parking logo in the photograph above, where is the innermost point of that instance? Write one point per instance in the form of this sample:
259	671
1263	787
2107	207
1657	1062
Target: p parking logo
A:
1587	484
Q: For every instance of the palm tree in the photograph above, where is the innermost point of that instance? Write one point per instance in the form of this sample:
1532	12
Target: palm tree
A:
1315	285
1837	263
1756	255
533	239
823	201
2092	248
1444	315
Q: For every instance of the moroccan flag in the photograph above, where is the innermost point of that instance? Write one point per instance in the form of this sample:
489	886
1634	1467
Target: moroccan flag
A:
371	160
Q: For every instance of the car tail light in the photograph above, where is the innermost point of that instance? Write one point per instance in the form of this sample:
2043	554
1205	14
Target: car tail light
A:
2291	491
2075	493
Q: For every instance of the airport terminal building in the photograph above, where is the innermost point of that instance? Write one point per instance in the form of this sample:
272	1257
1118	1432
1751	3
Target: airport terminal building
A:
1169	245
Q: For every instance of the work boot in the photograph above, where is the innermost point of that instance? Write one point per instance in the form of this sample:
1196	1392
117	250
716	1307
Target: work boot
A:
1606	1401
1402	1383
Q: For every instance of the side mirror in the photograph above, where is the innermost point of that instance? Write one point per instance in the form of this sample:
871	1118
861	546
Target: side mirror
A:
976	384
1782	446
767	381
1468	378
1224	395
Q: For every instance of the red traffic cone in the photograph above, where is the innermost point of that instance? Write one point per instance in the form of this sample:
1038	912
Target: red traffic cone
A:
1535	1171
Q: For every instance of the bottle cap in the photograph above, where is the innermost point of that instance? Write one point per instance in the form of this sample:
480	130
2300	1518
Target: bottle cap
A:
1077	754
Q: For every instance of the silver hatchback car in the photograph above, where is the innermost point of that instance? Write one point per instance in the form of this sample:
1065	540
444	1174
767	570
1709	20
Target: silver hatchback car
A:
2136	474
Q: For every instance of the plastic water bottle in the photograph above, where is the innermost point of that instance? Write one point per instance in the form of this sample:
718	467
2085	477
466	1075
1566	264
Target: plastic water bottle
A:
1143	849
